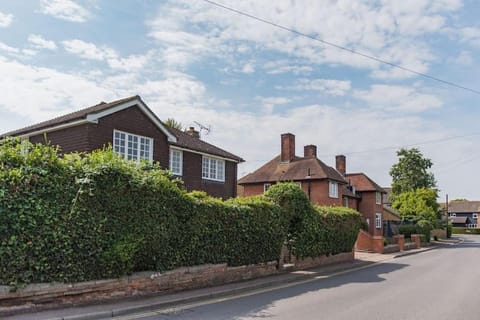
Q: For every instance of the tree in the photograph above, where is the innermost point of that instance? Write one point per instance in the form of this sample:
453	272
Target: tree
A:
411	172
172	123
418	205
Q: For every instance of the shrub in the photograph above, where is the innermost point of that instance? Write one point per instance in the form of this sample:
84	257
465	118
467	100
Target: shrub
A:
327	231
91	216
407	230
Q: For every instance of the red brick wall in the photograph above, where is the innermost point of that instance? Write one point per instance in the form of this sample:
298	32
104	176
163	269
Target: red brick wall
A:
252	189
353	203
368	208
319	193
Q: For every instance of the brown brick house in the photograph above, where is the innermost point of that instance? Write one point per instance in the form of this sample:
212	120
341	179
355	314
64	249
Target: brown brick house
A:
136	133
323	184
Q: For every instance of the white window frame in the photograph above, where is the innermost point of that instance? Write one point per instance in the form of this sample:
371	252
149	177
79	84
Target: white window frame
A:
378	220
475	215
378	198
332	189
453	214
173	168
213	169
266	186
138	148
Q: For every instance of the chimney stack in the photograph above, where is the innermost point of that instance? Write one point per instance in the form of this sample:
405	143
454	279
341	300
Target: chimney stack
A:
192	132
340	164
287	147
310	151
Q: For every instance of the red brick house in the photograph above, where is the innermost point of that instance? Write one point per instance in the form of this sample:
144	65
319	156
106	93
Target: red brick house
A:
369	199
323	184
136	133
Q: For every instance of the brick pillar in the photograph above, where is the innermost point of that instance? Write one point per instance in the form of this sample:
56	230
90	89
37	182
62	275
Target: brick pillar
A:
378	245
287	147
400	240
417	240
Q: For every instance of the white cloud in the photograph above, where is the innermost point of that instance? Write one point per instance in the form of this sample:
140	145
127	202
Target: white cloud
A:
8	49
398	98
329	86
248	68
41	43
285	66
42	93
470	35
464	58
88	50
393	31
65	9
5	19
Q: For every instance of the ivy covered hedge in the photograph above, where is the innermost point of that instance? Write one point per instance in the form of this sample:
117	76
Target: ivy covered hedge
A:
315	230
93	216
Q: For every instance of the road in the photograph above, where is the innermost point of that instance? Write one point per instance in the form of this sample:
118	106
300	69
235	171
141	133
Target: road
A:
437	284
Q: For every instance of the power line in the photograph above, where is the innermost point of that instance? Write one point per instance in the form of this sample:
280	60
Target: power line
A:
391	147
367	56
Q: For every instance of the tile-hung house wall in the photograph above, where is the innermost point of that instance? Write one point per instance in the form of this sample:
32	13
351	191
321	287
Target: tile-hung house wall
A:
135	132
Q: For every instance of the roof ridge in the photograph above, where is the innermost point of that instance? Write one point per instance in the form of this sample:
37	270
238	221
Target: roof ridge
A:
69	116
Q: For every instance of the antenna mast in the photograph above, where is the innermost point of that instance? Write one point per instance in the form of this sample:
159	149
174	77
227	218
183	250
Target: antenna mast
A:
202	127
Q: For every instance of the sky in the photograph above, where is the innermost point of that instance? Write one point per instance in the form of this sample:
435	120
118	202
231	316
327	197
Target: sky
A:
250	81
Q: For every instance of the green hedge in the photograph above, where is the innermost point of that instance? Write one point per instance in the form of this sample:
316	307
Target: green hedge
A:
422	227
92	216
315	230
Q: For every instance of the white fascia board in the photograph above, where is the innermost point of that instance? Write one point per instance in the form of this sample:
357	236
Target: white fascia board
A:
55	128
143	107
204	154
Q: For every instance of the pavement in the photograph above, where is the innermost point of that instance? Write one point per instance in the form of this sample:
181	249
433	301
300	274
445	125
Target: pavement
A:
127	306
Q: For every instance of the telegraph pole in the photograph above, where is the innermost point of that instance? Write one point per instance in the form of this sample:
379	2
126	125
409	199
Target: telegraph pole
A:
446	214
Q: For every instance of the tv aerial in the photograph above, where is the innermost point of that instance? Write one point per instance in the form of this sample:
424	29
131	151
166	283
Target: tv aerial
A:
202	127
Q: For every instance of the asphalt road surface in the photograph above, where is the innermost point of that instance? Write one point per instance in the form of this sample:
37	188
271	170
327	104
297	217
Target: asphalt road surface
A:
439	284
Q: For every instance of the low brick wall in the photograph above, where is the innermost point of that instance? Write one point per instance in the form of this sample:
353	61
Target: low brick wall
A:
38	296
367	242
47	295
391	248
307	263
410	245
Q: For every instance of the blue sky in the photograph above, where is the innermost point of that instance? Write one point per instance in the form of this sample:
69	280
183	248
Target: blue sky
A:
250	82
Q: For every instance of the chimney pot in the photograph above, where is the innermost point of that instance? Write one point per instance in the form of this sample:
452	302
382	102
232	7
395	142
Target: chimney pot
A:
287	147
340	164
